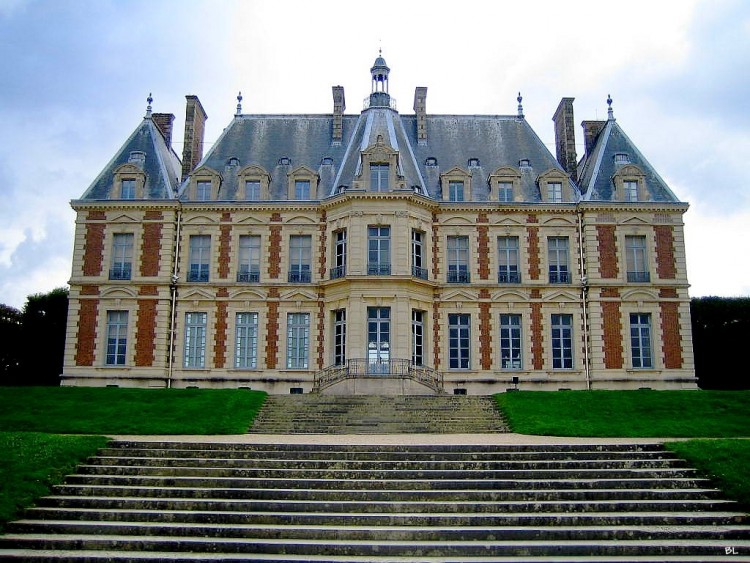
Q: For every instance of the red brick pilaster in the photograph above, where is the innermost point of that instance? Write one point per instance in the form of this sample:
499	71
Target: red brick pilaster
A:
145	332
322	249
608	267
484	251
272	330
93	248
533	239
670	327
612	328
665	260
88	318
225	239
321	329
537	339
435	247
220	339
150	249
274	252
436	333
485	335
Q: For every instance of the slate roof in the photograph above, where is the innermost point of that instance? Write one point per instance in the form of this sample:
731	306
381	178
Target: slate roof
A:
597	168
162	166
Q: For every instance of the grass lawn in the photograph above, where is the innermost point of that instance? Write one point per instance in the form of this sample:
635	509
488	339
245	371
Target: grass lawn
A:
108	410
637	414
30	463
726	462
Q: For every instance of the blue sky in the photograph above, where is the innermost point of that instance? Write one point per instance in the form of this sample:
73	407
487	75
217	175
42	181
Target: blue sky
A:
76	74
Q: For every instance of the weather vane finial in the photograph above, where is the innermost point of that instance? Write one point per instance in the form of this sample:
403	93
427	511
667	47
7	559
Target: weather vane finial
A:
239	103
519	99
148	107
610	113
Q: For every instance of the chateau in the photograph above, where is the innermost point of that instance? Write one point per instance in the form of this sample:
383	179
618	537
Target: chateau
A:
378	252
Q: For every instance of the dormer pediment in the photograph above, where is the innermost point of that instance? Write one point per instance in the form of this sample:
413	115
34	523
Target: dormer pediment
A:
380	150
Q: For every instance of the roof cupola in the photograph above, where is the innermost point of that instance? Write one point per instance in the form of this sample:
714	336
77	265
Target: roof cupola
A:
379	97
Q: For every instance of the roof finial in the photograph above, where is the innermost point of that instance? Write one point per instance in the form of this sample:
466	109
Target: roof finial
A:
239	103
519	99
148	107
610	113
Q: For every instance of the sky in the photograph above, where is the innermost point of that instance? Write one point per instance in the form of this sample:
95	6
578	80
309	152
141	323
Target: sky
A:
76	75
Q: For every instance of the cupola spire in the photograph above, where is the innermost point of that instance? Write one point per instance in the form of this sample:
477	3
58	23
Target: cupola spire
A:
379	72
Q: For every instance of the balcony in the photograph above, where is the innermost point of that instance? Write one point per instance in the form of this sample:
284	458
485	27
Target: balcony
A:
376	269
508	276
198	273
559	276
338	272
418	272
251	276
120	272
458	276
639	277
299	276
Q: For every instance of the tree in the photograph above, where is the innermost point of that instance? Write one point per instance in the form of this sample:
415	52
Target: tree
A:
721	330
10	344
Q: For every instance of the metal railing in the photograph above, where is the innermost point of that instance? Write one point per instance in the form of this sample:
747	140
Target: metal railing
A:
393	368
120	272
251	276
338	272
508	276
418	272
458	276
559	276
375	269
639	277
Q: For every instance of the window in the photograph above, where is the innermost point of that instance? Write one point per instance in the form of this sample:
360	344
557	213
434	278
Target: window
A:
557	253
379	251
635	258
640	340
459	340
200	253
339	337
562	341
339	254
554	192
117	337
510	342
507	263
622	158
297	340
417	255
417	337
379	177
203	191
252	190
458	259
473	163
122	256
455	191
249	270
300	258
631	190
505	191
302	189
195	340
127	188
246	341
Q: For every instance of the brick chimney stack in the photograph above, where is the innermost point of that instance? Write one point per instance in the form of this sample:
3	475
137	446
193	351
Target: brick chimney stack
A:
163	122
591	130
339	105
420	108
195	125
565	137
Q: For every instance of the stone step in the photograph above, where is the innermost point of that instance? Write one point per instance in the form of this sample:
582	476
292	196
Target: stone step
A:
391	548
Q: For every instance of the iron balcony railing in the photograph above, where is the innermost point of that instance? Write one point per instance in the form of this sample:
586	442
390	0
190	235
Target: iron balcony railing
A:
198	273
299	276
559	276
375	269
508	276
418	272
252	276
122	272
458	276
338	272
639	277
362	367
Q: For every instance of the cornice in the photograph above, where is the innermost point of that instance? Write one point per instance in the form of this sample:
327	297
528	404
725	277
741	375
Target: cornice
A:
137	205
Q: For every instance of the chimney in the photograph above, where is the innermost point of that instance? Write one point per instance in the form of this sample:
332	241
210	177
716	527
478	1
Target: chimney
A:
591	130
163	122
339	105
565	137
195	124
420	108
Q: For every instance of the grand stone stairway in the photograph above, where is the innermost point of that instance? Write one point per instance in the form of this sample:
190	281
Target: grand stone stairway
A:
187	502
374	414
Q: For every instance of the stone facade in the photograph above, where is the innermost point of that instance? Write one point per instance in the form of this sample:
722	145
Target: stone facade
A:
210	289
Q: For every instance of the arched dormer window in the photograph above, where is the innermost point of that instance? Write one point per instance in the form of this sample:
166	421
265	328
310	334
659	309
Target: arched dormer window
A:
303	184
204	185
554	186
505	184
630	184
379	169
128	183
456	184
253	184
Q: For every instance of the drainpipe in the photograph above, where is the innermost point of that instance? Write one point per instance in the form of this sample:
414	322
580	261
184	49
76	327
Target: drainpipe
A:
173	290
584	299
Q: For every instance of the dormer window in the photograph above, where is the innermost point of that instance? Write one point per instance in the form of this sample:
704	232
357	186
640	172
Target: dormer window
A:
430	161
554	186
505	184
285	161
554	192
233	162
473	163
138	158
327	161
127	188
622	158
456	184
505	192
379	175
456	191
255	181
302	189
203	191
524	163
302	184
629	184
252	190
631	190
